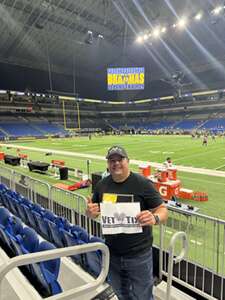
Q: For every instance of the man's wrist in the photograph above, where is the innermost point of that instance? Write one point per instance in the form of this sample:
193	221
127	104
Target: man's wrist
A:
157	219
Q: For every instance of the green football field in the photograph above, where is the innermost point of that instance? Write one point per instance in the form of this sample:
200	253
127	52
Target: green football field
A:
183	150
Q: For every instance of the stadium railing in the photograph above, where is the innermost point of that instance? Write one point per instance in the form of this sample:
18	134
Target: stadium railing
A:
52	254
203	271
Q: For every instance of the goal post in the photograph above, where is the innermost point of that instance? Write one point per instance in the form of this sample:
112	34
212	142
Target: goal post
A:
68	112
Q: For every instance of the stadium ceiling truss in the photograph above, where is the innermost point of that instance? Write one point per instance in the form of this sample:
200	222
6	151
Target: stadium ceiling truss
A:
81	38
44	33
31	28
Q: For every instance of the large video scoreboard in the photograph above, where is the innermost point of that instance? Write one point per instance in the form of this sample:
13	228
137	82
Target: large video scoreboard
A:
125	78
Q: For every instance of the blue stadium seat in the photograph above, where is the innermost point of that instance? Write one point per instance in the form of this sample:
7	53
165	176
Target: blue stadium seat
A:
5	200
39	274
50	268
15	226
38	208
42	223
30	240
20	129
55	227
42	226
17	204
3	190
93	260
4	217
4	238
12	204
56	233
12	229
26	242
63	223
2	187
50	215
81	233
31	218
72	239
3	196
23	210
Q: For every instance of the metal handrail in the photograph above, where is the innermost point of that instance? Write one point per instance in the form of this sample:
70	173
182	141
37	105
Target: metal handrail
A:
178	235
56	253
216	267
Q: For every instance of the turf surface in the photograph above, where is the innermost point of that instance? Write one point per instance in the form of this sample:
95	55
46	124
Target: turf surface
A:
183	149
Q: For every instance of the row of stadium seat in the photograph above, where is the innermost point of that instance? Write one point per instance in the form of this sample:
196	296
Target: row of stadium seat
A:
185	124
31	129
17	239
53	228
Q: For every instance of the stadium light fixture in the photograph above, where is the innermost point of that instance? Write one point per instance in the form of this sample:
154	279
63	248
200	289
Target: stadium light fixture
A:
89	37
156	33
199	16
164	30
217	10
140	39
182	22
145	37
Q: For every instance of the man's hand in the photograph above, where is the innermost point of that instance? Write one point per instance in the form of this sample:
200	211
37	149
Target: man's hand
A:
93	210
146	218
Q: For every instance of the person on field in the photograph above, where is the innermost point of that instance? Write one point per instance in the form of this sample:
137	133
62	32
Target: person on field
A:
205	140
168	163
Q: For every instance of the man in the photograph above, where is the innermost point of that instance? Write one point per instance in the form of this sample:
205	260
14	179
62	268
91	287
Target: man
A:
205	140
168	163
130	272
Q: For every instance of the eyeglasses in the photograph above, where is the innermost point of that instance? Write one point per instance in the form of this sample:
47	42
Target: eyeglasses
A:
114	160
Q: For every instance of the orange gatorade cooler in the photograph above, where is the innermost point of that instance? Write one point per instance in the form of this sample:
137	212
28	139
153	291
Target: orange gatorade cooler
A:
163	175
145	170
168	189
23	156
186	194
2	154
172	173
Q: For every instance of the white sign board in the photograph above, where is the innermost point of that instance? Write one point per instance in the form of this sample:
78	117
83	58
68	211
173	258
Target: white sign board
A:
120	218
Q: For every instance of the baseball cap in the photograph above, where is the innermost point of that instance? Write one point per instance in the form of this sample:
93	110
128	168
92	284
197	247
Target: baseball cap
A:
116	150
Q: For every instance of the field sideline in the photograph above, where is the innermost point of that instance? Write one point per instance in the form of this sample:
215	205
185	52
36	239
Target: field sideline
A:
204	166
132	161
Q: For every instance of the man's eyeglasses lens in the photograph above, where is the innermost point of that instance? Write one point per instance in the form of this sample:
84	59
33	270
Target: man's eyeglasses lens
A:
114	160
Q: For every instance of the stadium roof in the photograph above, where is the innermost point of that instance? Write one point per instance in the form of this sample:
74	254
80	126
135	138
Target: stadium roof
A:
84	37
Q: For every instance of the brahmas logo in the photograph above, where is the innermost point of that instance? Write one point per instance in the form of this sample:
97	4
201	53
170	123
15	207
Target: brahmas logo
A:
125	78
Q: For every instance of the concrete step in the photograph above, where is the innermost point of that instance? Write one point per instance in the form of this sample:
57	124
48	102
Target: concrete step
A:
160	293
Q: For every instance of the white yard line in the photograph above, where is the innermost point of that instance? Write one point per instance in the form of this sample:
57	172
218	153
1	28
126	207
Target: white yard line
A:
196	154
132	161
154	152
168	231
204	181
220	167
196	242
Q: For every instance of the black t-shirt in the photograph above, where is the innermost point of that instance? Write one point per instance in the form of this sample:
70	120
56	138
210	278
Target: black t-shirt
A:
135	188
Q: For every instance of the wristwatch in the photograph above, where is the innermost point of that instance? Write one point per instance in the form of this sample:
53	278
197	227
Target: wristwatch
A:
157	219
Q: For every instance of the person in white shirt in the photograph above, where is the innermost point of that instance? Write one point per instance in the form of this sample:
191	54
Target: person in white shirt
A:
168	163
